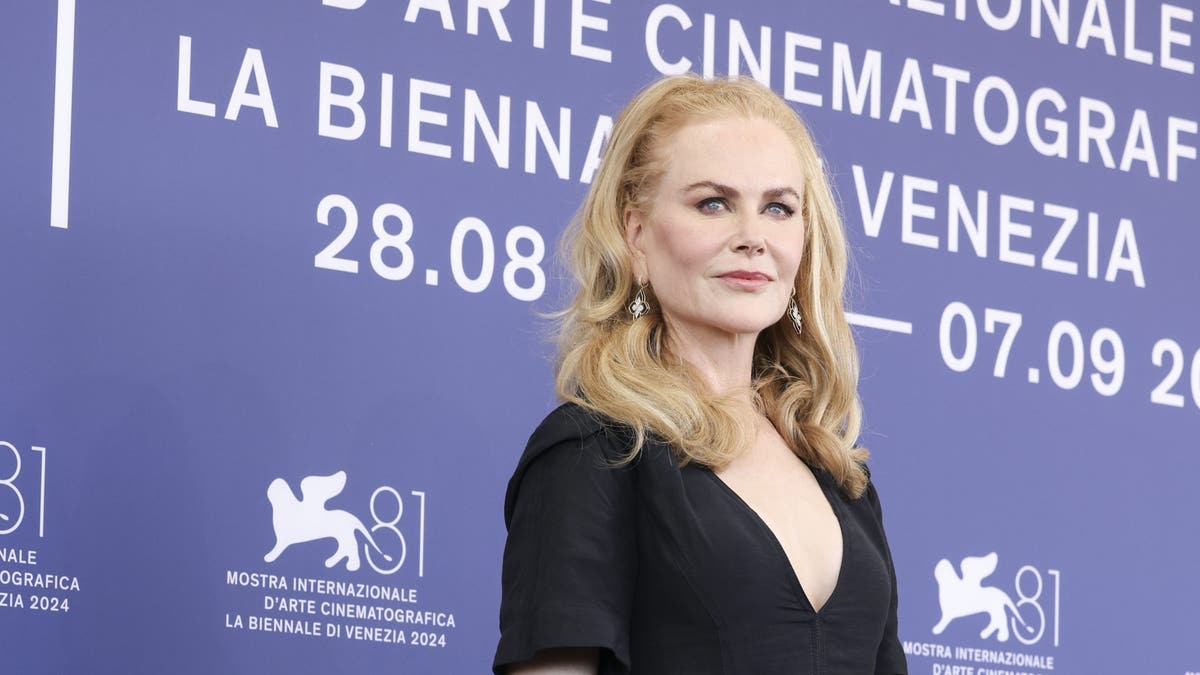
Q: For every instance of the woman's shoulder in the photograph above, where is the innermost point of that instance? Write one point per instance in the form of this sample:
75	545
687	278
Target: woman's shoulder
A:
573	424
571	429
568	420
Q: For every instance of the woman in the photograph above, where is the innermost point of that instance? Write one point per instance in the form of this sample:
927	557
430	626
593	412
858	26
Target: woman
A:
697	505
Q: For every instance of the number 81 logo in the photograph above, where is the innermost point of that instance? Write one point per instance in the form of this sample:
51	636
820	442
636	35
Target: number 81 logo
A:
386	492
1032	600
8	484
966	595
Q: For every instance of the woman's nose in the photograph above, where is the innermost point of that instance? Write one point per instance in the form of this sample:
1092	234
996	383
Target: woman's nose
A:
749	238
751	247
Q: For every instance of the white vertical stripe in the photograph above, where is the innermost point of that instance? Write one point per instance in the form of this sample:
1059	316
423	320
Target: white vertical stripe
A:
60	166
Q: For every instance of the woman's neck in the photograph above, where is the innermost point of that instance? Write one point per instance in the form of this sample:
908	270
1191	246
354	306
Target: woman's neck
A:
724	360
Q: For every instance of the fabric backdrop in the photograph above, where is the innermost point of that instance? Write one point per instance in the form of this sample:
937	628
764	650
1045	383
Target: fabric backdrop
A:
271	276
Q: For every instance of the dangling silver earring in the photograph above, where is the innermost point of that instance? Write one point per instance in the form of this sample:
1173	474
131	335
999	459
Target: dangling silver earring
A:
794	314
639	306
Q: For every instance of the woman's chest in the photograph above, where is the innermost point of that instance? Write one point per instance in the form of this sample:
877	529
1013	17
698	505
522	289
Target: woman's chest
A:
781	493
706	557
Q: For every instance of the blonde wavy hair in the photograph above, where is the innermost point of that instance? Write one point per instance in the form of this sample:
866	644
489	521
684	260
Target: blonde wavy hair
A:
622	368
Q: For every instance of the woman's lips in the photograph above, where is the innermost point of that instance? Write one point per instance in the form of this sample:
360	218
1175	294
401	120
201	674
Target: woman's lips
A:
745	280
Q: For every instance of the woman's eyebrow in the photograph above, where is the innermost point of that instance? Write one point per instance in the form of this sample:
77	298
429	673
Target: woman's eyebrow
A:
723	190
775	193
727	191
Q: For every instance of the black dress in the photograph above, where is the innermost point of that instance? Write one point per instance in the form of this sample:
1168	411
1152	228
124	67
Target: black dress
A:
667	571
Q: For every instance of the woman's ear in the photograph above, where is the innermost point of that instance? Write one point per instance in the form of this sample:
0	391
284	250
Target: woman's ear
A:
635	223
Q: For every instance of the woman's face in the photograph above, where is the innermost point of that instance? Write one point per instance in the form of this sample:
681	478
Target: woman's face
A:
721	238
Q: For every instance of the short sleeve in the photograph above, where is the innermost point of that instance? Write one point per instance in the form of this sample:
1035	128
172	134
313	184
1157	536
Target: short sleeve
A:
890	659
570	557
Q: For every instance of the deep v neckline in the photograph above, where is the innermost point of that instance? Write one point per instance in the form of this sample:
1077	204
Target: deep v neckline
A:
781	553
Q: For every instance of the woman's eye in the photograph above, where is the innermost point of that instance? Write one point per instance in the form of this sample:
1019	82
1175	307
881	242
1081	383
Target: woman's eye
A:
780	209
711	205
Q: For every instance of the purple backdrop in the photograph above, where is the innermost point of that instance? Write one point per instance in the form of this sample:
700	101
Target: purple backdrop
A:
250	241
